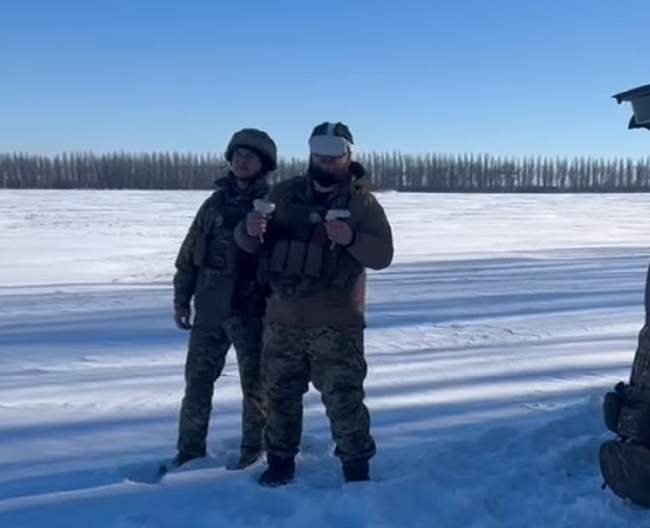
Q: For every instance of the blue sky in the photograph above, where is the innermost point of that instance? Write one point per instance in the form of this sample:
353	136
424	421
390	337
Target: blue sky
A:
518	77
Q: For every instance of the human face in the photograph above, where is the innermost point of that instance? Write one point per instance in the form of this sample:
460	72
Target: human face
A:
334	165
245	164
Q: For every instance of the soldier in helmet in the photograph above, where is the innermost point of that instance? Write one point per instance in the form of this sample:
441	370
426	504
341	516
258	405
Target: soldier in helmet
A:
229	303
327	228
625	462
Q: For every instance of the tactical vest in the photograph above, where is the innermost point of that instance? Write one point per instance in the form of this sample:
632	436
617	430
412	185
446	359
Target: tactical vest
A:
215	247
300	259
220	262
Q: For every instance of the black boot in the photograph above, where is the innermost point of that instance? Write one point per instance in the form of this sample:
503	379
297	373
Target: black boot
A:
182	458
280	471
357	471
247	458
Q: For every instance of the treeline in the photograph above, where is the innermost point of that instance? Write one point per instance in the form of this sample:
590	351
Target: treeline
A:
398	171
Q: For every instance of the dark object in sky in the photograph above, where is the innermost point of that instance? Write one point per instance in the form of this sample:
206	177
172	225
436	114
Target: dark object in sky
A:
640	99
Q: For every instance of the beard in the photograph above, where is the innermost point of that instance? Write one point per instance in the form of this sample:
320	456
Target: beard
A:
326	179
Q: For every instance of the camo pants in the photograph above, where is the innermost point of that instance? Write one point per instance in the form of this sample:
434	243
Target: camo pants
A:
640	376
332	359
206	358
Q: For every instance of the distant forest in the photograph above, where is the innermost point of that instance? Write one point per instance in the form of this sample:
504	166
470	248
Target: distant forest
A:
396	171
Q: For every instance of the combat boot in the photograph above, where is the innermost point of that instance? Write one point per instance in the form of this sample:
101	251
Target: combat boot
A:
357	471
176	462
247	458
182	458
280	471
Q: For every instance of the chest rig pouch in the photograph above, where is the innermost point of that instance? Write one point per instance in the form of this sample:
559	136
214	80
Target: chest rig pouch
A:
219	261
301	258
215	248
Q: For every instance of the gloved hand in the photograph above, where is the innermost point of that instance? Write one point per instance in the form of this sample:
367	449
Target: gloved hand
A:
183	317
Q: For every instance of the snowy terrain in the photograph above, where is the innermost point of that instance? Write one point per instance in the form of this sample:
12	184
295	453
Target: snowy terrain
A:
490	342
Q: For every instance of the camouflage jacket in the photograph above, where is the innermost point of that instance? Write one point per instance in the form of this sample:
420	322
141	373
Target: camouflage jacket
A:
312	282
210	267
640	376
647	298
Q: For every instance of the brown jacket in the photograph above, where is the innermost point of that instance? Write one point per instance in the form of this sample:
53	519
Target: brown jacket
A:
313	284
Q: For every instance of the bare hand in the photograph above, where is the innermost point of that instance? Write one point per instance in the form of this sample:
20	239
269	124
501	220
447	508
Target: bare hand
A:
182	317
339	232
256	225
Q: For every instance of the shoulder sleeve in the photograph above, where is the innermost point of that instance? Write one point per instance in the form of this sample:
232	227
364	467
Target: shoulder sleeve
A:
373	241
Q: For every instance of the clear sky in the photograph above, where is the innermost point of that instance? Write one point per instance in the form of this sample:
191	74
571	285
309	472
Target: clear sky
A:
503	77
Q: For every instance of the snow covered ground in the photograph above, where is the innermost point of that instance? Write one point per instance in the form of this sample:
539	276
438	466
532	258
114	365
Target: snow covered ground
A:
490	342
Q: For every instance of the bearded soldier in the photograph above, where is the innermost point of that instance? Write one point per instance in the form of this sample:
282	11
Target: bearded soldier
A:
327	228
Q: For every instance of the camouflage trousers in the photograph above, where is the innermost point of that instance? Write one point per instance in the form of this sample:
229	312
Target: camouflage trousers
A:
647	298
206	358
332	359
640	377
634	416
